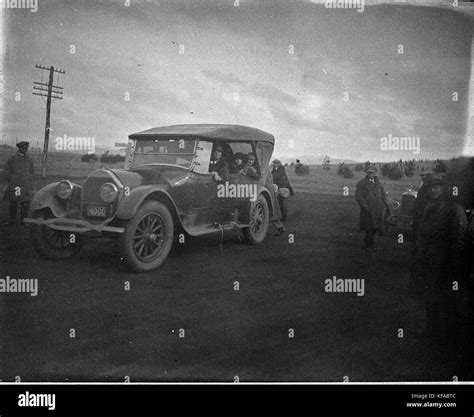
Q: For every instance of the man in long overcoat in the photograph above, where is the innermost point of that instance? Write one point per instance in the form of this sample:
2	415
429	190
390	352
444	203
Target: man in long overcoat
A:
19	173
371	197
281	180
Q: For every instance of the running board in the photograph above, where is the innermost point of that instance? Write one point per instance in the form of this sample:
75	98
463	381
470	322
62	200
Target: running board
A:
206	229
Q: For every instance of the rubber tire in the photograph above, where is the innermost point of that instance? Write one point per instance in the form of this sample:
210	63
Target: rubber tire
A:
249	237
44	249
126	238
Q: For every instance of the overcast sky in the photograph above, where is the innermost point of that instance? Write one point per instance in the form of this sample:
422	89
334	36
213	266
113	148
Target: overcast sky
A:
298	97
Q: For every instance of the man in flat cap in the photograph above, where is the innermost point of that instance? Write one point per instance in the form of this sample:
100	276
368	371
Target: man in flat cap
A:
19	172
371	197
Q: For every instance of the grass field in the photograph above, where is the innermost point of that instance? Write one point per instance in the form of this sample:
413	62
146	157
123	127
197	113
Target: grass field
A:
69	166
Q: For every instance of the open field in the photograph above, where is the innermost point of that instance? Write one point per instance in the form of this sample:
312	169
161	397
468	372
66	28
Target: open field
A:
227	333
320	181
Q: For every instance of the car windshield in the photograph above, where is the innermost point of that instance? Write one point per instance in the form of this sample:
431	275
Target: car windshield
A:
163	151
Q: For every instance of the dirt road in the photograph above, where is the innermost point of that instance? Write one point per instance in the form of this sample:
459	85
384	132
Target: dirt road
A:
216	311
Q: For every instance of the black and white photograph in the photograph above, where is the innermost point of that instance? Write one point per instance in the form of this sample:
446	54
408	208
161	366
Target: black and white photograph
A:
232	192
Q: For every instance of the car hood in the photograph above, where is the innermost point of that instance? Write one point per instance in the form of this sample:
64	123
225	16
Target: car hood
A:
137	177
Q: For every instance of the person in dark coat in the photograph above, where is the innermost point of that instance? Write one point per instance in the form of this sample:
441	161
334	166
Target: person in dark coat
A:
19	173
371	197
238	163
438	262
421	201
284	189
219	166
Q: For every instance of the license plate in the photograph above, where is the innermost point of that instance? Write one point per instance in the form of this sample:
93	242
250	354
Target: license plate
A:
96	211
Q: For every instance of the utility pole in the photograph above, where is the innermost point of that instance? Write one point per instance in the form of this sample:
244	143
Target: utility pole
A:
52	91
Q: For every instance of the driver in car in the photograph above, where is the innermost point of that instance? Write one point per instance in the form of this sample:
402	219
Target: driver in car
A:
219	166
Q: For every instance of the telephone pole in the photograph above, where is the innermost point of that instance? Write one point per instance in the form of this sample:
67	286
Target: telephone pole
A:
49	91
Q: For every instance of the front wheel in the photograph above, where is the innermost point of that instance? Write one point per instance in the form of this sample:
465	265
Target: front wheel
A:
148	237
259	218
53	244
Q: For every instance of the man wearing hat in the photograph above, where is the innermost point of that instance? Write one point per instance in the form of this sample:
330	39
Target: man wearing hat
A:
284	189
219	165
421	201
438	261
371	197
19	172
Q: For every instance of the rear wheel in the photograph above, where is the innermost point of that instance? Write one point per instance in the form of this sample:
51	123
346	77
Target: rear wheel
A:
259	219
53	244
148	237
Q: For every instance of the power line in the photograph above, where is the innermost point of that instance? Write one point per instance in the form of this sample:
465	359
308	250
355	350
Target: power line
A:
50	91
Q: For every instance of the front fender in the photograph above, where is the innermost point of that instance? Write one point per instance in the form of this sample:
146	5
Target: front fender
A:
129	204
45	198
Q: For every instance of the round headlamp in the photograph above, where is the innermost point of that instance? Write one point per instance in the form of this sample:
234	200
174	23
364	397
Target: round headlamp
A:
108	192
64	189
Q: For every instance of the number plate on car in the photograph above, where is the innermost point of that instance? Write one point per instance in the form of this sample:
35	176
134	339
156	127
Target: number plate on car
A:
96	211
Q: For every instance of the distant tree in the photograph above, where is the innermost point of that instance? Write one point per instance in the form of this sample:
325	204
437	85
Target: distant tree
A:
359	167
340	168
439	167
301	169
409	168
385	170
89	157
395	173
105	157
326	163
346	172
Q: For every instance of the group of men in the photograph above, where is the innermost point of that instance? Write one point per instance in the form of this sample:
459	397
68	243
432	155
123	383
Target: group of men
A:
441	256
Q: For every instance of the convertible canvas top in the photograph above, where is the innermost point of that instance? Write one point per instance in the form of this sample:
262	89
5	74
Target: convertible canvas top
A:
207	131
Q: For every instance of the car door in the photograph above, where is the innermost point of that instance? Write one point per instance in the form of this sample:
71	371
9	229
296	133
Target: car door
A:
204	185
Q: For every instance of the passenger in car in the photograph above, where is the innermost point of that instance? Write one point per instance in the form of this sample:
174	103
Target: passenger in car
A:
250	170
219	165
238	163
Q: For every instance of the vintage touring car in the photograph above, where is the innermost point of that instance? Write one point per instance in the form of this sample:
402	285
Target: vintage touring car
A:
165	189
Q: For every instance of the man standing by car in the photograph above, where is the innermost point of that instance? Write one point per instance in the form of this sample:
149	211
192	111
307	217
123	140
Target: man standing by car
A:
19	172
371	197
284	189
